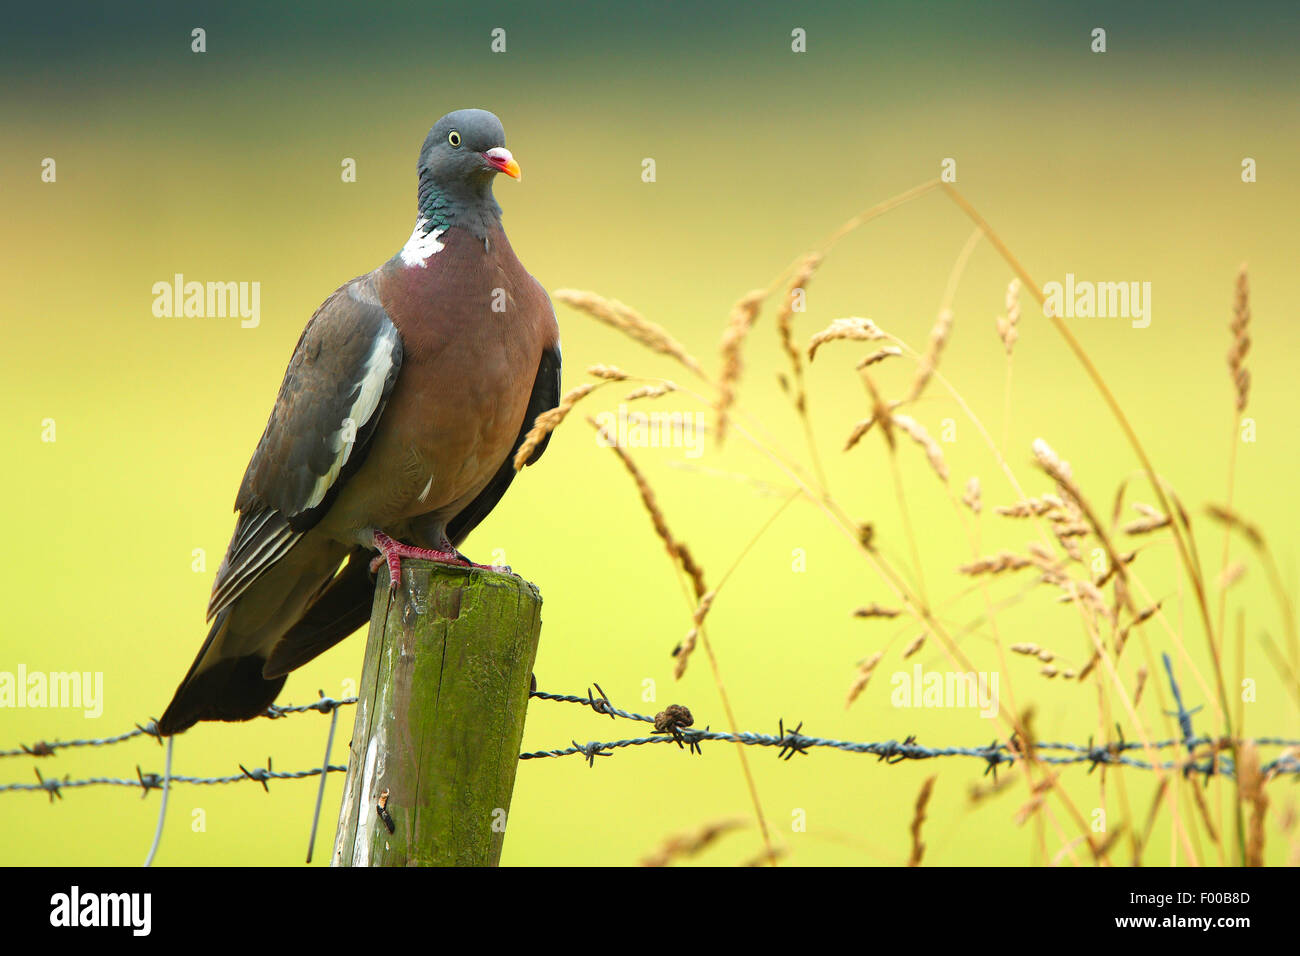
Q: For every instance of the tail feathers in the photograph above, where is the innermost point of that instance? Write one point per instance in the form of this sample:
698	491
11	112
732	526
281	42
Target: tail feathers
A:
342	607
238	674
231	688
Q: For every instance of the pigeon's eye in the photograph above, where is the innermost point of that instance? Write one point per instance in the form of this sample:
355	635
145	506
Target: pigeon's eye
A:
454	138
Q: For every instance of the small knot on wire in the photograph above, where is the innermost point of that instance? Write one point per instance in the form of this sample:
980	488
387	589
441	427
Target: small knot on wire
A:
993	755
1098	755
49	786
691	738
791	743
894	752
38	749
148	781
591	751
326	705
151	729
260	775
601	704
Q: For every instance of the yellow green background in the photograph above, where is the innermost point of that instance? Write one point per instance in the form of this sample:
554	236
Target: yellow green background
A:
226	166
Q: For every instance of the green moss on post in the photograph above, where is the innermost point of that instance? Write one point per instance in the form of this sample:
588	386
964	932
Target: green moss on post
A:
440	718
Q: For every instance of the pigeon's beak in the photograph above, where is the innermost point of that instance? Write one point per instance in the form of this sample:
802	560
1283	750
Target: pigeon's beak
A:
499	158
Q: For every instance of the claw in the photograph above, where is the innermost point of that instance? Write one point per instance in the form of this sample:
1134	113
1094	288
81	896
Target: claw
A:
392	552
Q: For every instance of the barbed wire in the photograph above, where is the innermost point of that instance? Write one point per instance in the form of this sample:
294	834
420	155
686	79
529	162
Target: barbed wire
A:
675	725
671	728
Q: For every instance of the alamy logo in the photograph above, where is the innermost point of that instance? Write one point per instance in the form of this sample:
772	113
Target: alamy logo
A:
66	689
208	300
1085	300
655	429
103	909
946	689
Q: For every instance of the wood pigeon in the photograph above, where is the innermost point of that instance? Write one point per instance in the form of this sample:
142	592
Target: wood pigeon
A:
406	398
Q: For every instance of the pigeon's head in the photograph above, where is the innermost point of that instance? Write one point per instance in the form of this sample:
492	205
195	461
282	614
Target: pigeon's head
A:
466	148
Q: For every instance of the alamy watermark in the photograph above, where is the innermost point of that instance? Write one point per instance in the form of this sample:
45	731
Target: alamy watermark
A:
1082	299
54	689
654	429
946	689
208	300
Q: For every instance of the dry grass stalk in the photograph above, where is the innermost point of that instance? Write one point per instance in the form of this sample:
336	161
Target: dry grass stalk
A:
876	610
852	329
676	550
743	316
918	820
863	677
971	498
1140	684
1233	520
1240	327
632	323
918	434
930	360
611	373
915	646
1151	520
1252	792
1007	330
766	857
548	421
1054	465
651	391
881	410
1090	595
1087	668
687	646
1041	789
785	322
691	843
1125	558
859	429
978	793
996	564
1030	507
1231	574
889	351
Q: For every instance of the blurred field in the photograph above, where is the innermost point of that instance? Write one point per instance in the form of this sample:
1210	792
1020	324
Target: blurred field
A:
225	166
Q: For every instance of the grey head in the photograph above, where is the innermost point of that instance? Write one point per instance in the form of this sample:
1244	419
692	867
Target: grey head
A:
459	160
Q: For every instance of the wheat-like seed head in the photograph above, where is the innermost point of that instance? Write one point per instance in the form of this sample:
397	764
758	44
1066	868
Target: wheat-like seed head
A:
548	421
998	563
930	360
865	670
852	329
689	844
889	351
651	391
632	323
918	434
876	610
1007	324
1240	327
743	315
785	316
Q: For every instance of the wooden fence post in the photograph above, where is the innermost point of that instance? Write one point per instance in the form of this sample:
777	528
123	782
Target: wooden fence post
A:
440	718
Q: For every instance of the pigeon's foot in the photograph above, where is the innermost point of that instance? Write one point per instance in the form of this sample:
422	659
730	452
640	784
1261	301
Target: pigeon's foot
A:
392	552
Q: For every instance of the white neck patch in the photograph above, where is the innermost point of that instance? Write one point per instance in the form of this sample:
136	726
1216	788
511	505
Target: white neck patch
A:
421	246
